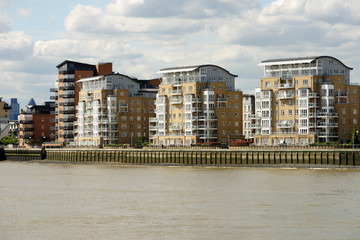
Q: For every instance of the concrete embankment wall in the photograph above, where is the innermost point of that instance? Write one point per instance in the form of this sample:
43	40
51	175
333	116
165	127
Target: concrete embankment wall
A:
210	157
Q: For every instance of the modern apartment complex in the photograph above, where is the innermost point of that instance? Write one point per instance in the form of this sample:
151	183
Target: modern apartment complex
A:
248	115
197	104
37	125
305	100
114	109
67	94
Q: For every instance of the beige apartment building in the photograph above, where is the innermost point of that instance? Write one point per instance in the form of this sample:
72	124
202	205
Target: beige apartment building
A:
305	100
197	104
114	109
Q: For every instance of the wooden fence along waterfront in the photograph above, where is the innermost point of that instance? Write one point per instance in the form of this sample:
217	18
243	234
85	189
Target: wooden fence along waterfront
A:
211	157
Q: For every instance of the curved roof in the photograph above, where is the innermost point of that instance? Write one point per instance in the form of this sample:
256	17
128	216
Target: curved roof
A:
191	68
297	60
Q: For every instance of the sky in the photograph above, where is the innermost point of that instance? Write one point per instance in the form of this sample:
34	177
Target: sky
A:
140	37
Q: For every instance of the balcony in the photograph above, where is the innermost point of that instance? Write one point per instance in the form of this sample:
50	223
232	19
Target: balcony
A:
26	121
67	88
286	86
208	136
254	116
175	128
66	95
196	100
284	125
210	118
254	126
153	119
68	136
27	129
67	104
67	119
327	115
176	92
153	128
53	90
327	125
53	97
64	80
219	99
313	95
286	96
176	101
328	135
67	112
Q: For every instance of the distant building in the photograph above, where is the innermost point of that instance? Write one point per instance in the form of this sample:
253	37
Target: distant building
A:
4	118
305	100
15	109
114	109
197	104
67	94
37	125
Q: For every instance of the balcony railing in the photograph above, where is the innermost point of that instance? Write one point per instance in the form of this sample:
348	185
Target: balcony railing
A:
286	96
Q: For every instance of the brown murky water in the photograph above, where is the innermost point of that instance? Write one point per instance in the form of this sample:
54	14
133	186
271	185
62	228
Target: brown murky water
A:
66	201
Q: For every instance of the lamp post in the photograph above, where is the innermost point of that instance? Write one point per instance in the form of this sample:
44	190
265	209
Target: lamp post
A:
131	138
353	142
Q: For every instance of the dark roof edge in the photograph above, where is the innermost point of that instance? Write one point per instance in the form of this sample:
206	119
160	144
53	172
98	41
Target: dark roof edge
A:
58	66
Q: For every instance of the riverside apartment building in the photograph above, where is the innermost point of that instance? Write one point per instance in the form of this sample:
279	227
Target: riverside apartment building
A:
114	109
37	124
197	104
67	94
305	100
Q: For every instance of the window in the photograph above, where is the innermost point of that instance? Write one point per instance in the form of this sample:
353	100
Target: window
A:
339	80
131	126
355	102
344	110
354	111
123	134
354	121
138	118
305	82
267	84
131	102
282	113
290	112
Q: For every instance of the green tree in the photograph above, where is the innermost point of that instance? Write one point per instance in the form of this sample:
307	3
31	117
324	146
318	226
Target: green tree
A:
355	136
9	140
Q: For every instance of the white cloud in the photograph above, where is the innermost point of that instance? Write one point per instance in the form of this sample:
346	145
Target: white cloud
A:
24	12
15	46
4	22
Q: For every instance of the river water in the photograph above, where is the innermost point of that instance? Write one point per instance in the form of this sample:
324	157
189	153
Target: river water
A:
93	201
